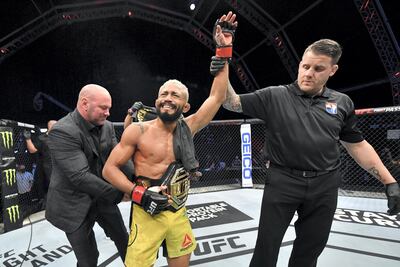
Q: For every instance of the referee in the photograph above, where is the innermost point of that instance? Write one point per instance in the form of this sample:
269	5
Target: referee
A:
305	122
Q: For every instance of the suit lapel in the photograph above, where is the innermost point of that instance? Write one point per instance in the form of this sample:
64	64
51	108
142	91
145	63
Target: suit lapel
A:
103	143
86	133
91	142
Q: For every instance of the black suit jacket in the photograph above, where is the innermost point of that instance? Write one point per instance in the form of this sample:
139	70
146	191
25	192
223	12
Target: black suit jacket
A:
44	158
76	181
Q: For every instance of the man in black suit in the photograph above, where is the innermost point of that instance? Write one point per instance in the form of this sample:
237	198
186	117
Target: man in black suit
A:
78	195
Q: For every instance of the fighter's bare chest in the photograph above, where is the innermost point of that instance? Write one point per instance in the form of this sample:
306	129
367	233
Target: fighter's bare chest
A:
157	146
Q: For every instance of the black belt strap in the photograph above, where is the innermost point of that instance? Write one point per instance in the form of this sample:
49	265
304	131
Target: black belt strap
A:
146	181
299	172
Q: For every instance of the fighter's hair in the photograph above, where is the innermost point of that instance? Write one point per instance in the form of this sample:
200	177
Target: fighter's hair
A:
178	84
326	47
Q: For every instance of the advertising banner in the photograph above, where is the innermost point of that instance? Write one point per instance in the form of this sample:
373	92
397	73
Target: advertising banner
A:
245	137
11	210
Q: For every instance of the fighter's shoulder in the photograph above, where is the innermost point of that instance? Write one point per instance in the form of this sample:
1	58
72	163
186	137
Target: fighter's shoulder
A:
139	127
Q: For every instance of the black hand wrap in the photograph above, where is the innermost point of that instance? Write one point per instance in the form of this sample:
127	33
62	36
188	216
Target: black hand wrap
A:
223	53
226	27
27	134
135	107
393	195
152	202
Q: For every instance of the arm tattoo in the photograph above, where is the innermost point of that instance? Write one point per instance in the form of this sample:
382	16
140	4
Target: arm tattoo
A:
232	101
375	173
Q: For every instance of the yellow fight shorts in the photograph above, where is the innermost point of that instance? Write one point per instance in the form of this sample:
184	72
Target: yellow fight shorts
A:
148	232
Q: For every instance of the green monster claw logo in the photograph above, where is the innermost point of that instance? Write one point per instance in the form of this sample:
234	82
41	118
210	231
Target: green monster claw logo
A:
13	212
10	176
7	138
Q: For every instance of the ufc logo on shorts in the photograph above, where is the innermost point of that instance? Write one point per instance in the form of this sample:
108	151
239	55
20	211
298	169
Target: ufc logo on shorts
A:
152	207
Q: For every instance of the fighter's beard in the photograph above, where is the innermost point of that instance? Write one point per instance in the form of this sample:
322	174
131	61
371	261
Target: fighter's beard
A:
165	117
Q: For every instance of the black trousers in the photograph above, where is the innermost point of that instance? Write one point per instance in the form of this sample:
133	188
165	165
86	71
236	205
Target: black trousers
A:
314	199
83	240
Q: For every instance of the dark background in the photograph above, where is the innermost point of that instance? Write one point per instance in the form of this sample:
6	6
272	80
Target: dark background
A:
132	56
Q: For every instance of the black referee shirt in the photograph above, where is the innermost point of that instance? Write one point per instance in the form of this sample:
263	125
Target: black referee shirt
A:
302	132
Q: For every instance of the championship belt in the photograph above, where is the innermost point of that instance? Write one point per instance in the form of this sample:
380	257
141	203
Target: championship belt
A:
145	113
176	178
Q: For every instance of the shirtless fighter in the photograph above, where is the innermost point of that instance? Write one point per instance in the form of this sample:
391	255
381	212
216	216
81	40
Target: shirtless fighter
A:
163	155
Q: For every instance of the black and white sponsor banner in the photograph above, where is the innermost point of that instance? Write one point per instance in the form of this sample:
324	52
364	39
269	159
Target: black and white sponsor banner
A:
367	217
38	255
214	213
42	244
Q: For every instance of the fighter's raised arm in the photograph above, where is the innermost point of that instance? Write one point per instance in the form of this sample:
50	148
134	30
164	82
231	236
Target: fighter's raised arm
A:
224	31
232	100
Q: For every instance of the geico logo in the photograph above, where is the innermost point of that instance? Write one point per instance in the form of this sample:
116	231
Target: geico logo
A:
13	213
10	176
217	245
7	138
246	155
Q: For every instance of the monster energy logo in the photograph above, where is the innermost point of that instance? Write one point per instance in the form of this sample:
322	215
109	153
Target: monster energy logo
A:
13	212
8	141
10	176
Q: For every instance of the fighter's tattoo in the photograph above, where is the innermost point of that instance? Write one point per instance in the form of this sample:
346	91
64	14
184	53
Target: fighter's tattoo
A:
375	173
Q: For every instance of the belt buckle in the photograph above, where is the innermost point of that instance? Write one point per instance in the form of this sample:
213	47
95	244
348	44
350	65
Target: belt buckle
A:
146	183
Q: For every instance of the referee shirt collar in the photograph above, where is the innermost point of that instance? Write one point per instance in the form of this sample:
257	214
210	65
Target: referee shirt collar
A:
294	87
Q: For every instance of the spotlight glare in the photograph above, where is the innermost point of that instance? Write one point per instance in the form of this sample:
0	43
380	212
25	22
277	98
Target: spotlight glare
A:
192	6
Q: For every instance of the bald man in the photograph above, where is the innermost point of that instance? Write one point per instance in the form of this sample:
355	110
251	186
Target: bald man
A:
78	196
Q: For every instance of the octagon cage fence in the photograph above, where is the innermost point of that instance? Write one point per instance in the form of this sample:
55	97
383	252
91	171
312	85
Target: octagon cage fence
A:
218	149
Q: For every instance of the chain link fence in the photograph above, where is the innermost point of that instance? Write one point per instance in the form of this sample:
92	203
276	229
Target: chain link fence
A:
218	149
22	187
381	128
